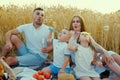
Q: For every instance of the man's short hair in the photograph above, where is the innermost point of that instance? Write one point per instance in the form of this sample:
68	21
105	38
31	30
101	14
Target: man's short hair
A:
38	9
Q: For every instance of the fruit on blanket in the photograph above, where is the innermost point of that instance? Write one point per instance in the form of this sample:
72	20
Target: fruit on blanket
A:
40	72
36	75
47	75
40	77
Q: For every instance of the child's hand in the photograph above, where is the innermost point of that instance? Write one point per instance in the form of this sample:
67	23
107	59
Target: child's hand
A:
53	30
71	33
74	34
61	71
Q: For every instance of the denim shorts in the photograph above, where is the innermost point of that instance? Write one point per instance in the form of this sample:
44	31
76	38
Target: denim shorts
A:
55	69
26	58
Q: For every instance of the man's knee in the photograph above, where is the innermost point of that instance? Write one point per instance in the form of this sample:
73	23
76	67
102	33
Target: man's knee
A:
14	38
11	61
16	41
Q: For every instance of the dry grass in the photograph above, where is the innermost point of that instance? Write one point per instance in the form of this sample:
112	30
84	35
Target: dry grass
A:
59	17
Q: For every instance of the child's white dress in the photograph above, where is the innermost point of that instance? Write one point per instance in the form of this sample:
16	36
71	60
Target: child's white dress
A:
83	59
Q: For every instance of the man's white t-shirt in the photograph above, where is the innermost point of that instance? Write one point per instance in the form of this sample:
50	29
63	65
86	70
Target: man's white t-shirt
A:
34	37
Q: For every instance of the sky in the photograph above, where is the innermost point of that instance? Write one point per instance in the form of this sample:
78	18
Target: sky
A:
103	6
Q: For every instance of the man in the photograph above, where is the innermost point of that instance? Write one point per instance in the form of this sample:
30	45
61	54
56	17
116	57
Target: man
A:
30	54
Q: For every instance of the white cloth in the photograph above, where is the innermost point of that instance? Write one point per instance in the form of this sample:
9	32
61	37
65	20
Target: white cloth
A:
34	37
26	74
59	52
83	59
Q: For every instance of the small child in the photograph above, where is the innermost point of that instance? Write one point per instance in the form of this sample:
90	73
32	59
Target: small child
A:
61	54
85	56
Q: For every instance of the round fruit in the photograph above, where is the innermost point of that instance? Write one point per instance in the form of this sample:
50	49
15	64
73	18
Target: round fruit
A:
47	75
40	72
35	75
40	77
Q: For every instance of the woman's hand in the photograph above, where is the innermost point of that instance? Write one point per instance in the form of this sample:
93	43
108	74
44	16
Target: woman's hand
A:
108	59
99	64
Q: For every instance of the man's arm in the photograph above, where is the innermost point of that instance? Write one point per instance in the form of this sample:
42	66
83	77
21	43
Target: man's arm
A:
8	37
49	48
9	34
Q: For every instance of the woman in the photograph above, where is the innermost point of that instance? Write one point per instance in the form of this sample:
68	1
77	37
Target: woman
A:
112	61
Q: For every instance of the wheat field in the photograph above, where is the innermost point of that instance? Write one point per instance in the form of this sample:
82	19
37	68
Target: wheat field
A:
103	27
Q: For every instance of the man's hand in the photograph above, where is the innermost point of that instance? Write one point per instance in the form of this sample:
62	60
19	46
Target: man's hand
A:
8	46
45	50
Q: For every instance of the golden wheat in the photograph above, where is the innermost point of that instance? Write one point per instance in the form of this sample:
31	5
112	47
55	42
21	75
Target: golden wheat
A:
59	17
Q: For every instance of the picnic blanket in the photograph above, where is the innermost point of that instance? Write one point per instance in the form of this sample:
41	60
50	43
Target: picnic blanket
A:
24	73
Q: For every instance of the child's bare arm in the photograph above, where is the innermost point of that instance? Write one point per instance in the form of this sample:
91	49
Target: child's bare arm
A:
66	61
70	46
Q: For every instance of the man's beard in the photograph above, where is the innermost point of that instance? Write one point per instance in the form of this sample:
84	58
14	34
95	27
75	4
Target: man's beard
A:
38	23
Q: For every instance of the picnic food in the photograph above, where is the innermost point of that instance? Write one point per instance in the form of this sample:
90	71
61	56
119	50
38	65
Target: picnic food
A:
40	75
47	75
40	72
35	75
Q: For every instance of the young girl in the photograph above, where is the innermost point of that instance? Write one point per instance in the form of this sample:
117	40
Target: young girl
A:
84	56
61	54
